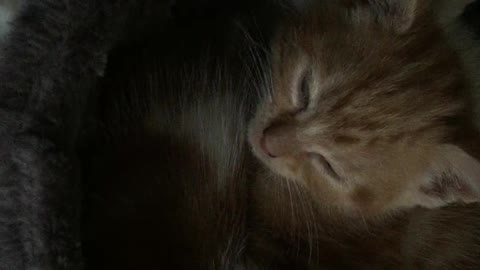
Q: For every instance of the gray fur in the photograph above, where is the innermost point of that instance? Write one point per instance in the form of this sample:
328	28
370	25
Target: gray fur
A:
8	10
53	55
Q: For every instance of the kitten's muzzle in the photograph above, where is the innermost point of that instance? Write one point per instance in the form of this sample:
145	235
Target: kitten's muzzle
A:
279	140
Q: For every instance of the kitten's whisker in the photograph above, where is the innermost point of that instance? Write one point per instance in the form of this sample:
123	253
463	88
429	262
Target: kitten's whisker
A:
309	219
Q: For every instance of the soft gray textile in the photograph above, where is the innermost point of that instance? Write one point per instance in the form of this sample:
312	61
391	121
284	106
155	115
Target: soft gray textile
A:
53	56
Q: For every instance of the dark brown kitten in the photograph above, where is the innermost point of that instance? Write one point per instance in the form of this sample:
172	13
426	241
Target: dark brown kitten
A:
166	183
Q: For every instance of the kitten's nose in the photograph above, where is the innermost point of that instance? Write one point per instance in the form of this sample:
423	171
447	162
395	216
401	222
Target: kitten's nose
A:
265	148
279	140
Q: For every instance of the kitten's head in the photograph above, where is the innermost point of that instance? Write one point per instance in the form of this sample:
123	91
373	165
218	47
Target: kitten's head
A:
366	108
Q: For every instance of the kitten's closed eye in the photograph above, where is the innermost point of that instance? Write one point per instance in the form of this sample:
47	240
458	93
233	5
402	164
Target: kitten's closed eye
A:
304	92
321	163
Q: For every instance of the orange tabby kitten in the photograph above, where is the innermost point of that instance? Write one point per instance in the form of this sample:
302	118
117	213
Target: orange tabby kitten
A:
369	108
367	136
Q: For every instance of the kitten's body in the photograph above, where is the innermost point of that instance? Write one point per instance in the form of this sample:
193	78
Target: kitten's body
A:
167	188
166	182
302	236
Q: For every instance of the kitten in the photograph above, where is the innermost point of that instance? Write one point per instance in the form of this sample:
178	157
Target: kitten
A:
176	191
369	109
367	144
166	170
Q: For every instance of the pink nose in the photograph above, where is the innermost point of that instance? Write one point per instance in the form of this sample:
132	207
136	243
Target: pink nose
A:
279	140
265	148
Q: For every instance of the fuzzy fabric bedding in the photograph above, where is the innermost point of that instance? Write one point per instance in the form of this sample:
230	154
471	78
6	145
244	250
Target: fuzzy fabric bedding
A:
51	60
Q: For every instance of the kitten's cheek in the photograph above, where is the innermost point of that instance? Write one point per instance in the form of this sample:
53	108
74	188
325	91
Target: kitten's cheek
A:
290	168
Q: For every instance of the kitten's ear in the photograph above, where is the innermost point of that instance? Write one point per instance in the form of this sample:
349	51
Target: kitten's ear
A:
454	177
396	14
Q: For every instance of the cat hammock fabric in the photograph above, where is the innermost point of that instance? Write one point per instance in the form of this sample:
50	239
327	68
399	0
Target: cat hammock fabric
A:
54	54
